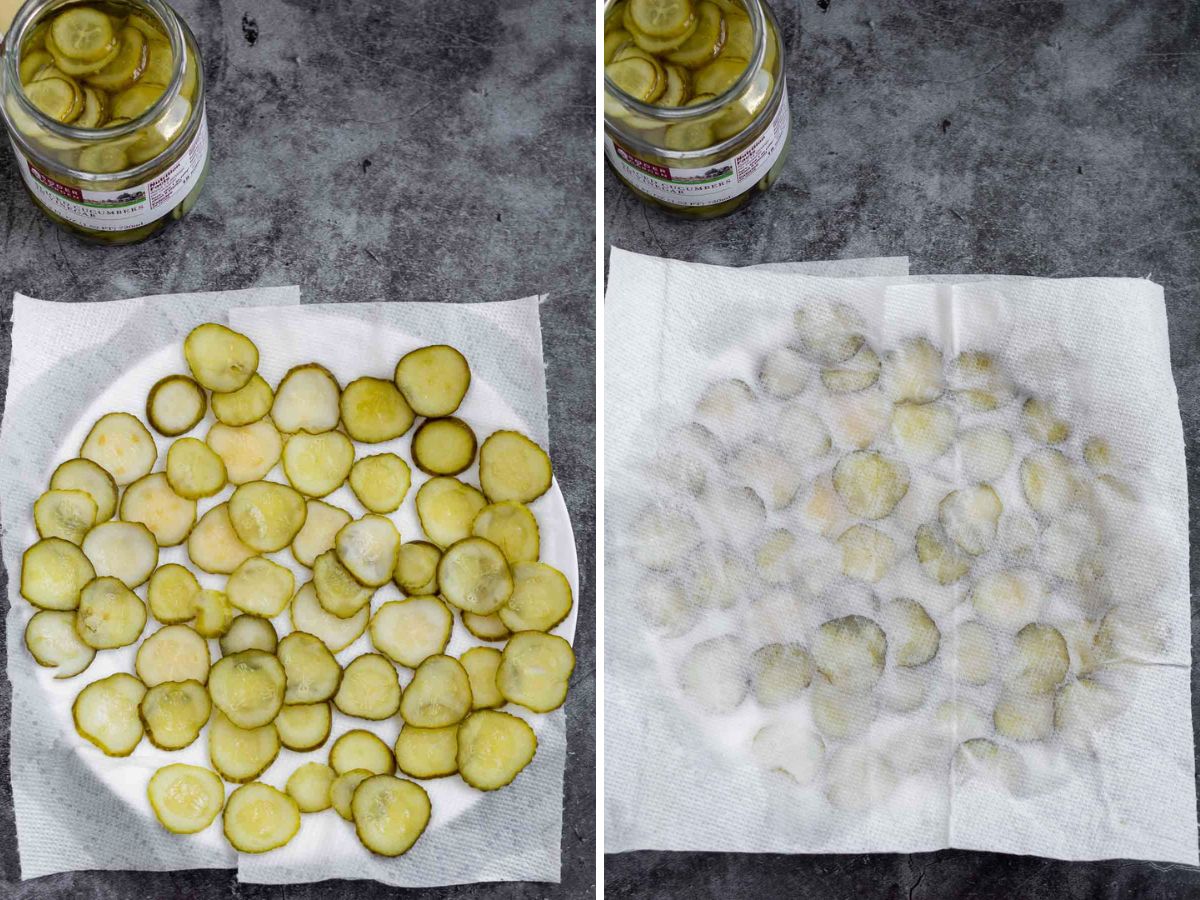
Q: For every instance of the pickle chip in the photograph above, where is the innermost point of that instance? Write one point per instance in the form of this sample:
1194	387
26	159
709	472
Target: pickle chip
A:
266	515
636	77
126	65
493	748
260	587
474	576
512	467
124	550
309	786
69	515
870	484
338	591
173	712
370	688
248	687
248	632
535	670
214	614
661	18
304	727
53	573
368	548
173	653
481	665
409	631
307	399
214	546
719	75
185	799
427	752
541	598
241	754
443	446
867	553
439	694
512	527
705	42
940	557
433	379
194	470
121	445
106	714
360	750
175	404
248	452
83	33
89	477
259	818
171	594
53	96
221	359
486	628
53	642
321	525
313	675
33	62
317	464
390	814
151	502
373	410
338	633
416	568
245	406
110	615
341	792
381	482
447	508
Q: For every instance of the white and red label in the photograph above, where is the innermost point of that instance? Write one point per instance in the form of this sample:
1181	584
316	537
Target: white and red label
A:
714	183
129	208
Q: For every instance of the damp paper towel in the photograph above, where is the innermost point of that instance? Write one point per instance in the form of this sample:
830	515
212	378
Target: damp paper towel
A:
1068	739
77	809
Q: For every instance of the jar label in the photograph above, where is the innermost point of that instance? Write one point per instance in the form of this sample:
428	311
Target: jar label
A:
126	209
713	184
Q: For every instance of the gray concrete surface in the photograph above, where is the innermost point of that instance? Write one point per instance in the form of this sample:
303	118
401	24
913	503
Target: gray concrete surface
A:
1041	138
366	151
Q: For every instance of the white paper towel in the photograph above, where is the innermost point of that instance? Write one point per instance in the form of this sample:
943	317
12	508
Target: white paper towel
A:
679	778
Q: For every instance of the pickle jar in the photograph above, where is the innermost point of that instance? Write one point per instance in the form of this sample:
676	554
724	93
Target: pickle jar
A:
104	105
695	102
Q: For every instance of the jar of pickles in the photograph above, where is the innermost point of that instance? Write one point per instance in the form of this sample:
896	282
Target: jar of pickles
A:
695	104
104	104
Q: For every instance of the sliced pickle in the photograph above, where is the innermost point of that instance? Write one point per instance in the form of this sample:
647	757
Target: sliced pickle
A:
1041	424
259	818
307	399
360	749
390	814
33	62
481	665
381	482
214	613
86	475
541	598
512	527
175	404
370	688
245	406
337	590
172	594
368	548
1008	599
260	587
447	507
214	546
321	525
341	792
82	33
150	501
249	633
439	694
94	112
850	652
249	452
110	615
373	410
53	96
266	515
124	550
512	467
535	670
185	799
173	712
409	631
790	749
923	431
939	556
1048	482
486	628
416	568
867	553
121	445
719	75
313	675
304	727
1040	660
433	379
658	45
64	514
474	576
913	373
970	516
855	374
173	653
870	484
443	446
715	674
308	615
248	687
53	642
194	470
913	637
241	754
1024	717
317	464
126	66
493	748
106	714
705	42
309	786
221	359
780	673
53	573
661	18
427	752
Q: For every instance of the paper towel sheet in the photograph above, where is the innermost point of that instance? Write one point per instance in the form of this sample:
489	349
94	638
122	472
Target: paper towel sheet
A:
679	777
63	356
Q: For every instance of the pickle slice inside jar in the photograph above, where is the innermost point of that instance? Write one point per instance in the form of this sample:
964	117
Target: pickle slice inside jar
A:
661	18
52	96
652	44
636	77
127	64
33	63
705	43
719	75
82	33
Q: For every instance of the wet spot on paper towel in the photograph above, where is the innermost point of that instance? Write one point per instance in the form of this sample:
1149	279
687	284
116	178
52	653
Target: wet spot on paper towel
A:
249	29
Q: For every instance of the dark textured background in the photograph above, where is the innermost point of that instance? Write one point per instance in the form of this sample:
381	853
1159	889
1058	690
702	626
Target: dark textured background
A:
374	150
1017	136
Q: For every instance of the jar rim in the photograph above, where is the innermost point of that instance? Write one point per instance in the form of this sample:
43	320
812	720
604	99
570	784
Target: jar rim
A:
758	20
28	16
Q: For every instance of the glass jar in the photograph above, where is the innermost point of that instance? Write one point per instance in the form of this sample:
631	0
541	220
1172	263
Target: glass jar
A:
143	166
702	156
